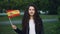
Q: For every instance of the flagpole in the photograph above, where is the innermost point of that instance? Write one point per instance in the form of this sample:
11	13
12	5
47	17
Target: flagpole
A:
10	21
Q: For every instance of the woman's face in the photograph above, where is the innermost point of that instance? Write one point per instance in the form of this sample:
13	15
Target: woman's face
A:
31	10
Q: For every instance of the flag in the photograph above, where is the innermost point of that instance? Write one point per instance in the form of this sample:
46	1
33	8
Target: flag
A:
13	13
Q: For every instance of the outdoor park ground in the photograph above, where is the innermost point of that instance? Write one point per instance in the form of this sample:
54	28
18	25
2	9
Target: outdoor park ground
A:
49	27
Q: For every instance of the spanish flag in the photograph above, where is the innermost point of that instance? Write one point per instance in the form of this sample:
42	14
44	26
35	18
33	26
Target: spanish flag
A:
13	13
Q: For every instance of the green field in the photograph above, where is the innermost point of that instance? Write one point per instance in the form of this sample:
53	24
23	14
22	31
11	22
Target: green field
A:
49	27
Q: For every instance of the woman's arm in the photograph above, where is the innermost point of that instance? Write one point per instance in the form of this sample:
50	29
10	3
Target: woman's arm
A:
16	29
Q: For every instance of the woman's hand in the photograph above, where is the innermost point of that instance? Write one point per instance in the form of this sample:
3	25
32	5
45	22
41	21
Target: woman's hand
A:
14	27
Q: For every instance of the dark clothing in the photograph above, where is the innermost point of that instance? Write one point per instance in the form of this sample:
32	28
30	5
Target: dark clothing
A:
38	29
18	31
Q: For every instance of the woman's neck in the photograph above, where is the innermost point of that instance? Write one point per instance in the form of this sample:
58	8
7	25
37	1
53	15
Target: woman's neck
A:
31	17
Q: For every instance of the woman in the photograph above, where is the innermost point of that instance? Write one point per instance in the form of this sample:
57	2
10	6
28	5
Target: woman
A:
31	23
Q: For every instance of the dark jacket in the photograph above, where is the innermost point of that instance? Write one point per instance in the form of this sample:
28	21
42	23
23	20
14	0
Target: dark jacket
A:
38	29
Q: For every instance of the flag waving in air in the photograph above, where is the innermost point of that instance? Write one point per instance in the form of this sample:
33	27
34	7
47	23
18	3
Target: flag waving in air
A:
13	13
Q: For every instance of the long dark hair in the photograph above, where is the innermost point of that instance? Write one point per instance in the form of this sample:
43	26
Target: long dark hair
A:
36	17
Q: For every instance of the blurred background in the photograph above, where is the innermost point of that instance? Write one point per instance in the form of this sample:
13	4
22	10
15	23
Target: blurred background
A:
49	11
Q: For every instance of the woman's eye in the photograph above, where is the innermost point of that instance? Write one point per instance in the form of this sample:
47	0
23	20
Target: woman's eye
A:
32	9
29	9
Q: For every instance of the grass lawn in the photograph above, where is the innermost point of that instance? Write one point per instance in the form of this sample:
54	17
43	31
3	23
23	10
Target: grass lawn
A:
49	28
52	28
